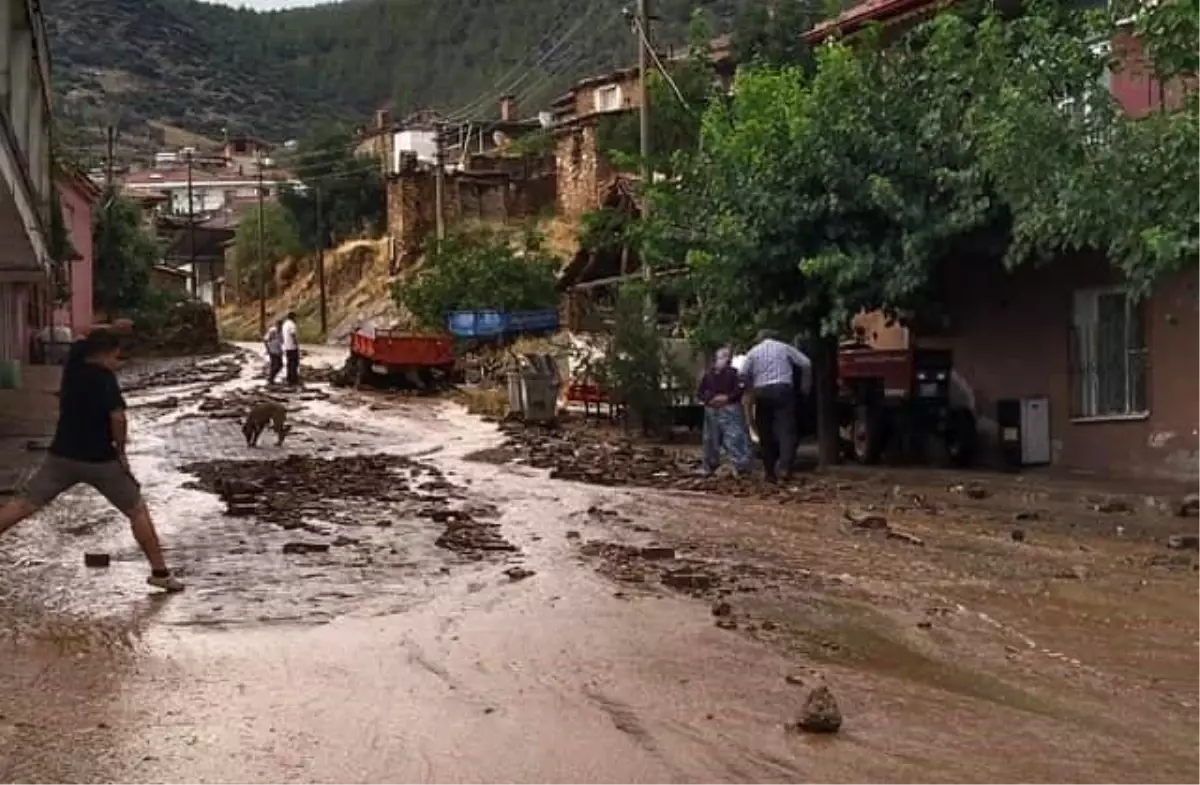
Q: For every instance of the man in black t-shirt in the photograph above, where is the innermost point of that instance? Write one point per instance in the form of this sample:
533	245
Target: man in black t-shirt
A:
89	447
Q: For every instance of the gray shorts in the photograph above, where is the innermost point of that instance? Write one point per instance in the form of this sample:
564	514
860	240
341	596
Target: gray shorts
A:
58	474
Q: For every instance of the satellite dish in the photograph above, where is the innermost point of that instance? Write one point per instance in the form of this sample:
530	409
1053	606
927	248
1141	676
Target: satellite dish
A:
499	138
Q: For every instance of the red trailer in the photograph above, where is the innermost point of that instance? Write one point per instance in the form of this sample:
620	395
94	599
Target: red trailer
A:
422	359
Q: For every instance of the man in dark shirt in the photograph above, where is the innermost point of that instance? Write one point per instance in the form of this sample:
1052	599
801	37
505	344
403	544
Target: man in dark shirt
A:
89	448
724	424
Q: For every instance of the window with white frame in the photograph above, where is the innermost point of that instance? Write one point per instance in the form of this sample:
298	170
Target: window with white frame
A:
1110	358
608	98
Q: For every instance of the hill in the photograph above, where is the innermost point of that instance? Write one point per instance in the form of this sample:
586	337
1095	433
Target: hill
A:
213	68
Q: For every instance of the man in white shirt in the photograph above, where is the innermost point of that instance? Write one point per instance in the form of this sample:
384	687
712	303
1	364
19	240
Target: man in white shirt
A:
769	368
291	348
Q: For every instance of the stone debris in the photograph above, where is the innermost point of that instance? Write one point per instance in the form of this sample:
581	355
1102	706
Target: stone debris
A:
905	537
867	520
1183	542
305	547
96	560
820	713
1189	507
293	491
519	573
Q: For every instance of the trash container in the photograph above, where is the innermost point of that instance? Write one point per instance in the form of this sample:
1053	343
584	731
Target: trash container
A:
10	374
539	396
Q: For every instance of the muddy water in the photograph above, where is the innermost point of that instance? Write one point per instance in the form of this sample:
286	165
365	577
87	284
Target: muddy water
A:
335	667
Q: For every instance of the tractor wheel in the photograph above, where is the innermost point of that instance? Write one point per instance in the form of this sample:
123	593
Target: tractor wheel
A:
962	437
866	435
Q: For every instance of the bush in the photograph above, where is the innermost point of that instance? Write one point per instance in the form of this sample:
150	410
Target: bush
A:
638	368
480	270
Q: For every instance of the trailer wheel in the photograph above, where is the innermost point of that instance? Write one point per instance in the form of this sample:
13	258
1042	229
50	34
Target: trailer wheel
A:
866	434
961	437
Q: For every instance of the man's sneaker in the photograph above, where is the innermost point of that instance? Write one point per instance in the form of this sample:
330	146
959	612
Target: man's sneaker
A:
168	583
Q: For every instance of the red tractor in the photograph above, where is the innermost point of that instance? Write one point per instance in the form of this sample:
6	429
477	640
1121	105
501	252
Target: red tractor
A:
901	398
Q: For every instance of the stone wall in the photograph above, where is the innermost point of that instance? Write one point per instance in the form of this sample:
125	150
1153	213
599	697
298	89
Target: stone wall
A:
580	169
496	197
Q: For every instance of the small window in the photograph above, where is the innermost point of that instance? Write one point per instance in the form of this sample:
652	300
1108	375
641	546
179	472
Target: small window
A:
1110	359
608	98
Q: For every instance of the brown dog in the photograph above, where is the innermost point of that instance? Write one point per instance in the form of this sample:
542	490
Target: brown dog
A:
260	415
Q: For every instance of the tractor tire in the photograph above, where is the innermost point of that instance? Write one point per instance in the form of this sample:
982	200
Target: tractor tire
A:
962	438
867	435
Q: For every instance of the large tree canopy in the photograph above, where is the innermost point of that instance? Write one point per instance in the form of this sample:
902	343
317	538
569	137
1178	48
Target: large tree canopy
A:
815	196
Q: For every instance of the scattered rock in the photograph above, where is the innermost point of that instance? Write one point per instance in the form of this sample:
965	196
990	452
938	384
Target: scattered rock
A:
1018	535
687	580
1027	515
96	560
305	547
657	552
925	624
975	491
519	573
911	539
866	520
1112	506
722	609
727	624
820	713
1076	573
1183	542
1190	506
573	535
341	541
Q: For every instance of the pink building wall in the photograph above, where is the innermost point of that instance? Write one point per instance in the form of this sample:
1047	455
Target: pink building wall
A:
77	199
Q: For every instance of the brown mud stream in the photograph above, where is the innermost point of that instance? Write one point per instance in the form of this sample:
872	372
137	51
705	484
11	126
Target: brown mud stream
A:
379	608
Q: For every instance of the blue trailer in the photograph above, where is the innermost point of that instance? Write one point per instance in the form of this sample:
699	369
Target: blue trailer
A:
499	324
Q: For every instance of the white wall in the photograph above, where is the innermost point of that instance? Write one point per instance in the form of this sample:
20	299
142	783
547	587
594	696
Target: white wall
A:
423	143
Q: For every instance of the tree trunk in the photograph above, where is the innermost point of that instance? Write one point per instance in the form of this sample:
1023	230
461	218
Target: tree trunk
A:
825	386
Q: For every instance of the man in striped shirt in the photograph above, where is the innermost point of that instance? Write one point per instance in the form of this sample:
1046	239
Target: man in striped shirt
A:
770	369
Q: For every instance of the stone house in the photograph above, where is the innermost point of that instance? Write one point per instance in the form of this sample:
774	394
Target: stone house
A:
491	189
1120	374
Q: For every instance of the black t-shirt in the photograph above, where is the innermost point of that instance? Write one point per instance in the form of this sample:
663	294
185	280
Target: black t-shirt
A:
88	395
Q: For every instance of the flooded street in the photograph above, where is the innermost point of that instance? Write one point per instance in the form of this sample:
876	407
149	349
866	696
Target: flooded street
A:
387	607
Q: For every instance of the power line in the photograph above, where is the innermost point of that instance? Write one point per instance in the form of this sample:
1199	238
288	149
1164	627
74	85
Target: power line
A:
467	110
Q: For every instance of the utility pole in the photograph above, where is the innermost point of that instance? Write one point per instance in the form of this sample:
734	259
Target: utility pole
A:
643	35
262	264
192	231
111	139
321	260
439	183
642	28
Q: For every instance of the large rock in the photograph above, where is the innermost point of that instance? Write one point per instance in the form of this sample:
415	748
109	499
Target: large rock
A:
820	713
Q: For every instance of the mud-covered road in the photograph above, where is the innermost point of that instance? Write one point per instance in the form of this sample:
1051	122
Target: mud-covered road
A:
383	605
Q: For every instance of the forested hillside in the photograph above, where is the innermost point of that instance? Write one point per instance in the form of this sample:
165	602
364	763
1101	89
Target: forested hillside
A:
208	67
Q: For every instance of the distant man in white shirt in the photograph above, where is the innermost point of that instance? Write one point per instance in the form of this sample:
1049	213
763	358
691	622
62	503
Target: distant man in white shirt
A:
273	340
291	348
769	369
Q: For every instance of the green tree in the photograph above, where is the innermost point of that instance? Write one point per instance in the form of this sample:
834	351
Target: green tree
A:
351	189
280	240
676	106
637	367
125	255
481	269
772	35
817	197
